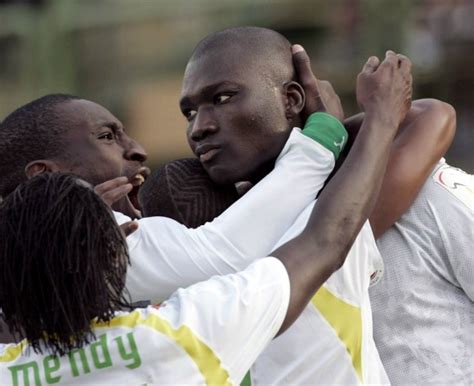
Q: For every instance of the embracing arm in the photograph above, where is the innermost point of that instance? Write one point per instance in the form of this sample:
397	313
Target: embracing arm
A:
166	255
384	91
422	139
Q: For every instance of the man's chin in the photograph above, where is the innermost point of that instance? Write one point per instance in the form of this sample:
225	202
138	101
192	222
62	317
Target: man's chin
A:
220	176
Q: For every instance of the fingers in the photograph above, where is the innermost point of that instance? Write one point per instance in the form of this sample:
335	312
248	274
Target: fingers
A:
129	227
113	190
404	63
371	65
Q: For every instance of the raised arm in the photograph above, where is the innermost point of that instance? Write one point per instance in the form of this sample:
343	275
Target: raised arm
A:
384	92
423	138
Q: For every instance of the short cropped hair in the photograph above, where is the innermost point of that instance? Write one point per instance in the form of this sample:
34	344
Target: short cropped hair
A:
267	48
183	191
33	131
63	262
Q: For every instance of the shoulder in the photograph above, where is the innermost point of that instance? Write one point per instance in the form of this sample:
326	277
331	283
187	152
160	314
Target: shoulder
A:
455	183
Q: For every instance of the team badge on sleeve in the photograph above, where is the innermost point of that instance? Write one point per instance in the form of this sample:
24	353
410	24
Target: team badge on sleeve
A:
457	182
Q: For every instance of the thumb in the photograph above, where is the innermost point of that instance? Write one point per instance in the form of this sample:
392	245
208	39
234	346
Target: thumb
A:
302	65
129	227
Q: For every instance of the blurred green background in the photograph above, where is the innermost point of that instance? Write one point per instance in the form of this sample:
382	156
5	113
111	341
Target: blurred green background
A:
129	55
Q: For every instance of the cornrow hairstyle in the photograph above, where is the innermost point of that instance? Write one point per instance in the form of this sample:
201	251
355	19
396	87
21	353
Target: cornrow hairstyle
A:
63	260
183	191
33	131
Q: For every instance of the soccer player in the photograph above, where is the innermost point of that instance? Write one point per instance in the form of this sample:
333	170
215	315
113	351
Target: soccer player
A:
340	314
64	299
424	311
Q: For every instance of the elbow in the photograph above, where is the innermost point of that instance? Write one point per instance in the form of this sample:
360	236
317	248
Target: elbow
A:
442	120
443	115
449	116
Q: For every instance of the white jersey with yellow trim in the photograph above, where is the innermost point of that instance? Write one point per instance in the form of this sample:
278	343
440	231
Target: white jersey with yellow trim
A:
166	255
209	333
331	343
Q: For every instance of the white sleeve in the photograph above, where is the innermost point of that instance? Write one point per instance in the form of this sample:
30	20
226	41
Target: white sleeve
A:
166	255
363	261
236	315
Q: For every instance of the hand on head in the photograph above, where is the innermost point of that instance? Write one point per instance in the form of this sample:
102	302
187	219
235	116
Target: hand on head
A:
385	89
320	95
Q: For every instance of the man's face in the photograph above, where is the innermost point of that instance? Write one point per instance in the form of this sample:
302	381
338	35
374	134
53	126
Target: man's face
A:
237	123
96	146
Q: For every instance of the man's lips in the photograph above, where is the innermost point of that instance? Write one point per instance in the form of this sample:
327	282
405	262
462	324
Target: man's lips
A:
207	152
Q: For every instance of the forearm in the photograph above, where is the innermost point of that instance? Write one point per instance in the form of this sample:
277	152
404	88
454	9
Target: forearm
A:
422	139
338	216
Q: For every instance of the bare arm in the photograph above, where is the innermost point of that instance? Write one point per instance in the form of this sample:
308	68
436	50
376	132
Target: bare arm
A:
384	92
422	139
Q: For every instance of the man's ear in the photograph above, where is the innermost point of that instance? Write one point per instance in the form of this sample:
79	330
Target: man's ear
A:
40	166
295	99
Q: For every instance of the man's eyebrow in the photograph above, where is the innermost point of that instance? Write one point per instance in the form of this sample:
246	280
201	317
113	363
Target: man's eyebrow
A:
206	91
111	124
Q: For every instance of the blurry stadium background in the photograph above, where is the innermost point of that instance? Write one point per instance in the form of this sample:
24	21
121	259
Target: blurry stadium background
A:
129	55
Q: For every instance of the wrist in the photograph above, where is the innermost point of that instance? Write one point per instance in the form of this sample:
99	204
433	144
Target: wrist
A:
327	130
381	120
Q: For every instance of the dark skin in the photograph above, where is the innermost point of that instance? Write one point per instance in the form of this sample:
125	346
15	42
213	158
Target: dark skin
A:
423	138
430	125
97	149
230	110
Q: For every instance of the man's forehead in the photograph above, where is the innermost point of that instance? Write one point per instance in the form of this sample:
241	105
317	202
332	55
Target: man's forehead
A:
217	69
82	111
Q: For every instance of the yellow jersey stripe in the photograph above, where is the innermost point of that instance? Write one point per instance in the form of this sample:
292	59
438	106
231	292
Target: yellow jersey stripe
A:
346	320
13	352
208	363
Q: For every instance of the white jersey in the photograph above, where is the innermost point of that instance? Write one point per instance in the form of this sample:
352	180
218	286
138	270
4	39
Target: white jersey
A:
424	307
331	342
209	333
166	255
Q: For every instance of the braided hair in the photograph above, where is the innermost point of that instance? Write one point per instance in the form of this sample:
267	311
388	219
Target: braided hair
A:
63	260
183	191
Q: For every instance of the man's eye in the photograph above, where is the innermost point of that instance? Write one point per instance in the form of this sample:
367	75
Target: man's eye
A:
107	135
189	114
223	98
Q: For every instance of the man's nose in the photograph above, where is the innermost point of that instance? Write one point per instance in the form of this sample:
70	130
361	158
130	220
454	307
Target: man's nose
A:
203	124
134	151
